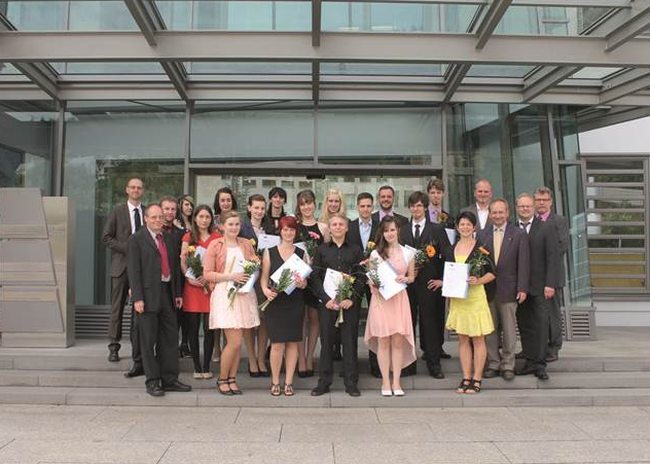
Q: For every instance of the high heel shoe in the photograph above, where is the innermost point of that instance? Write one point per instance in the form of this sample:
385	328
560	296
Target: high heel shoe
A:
225	382
398	392
275	389
253	374
232	381
386	392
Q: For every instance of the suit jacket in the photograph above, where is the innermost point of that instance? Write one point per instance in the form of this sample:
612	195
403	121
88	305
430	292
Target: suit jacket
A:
472	208
513	267
353	237
561	226
448	222
116	235
544	256
435	235
401	220
144	268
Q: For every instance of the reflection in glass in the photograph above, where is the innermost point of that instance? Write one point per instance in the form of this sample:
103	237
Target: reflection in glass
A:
110	68
229	67
380	69
105	146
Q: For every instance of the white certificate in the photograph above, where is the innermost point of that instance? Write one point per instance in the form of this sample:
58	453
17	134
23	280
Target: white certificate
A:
389	286
301	245
265	241
331	283
409	252
297	265
454	282
451	235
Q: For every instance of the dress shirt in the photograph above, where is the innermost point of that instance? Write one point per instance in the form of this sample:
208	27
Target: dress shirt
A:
383	214
524	224
482	216
434	213
132	208
544	217
364	231
344	258
163	278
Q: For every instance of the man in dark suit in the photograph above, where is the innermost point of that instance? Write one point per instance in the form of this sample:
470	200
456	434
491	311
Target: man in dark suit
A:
386	198
360	232
124	220
437	215
543	209
533	314
425	293
154	277
508	244
169	207
483	197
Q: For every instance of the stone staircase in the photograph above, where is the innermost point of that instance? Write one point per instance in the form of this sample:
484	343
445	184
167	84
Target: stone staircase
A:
81	376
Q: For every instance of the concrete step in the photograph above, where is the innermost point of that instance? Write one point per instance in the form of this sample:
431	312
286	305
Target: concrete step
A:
337	398
103	379
62	360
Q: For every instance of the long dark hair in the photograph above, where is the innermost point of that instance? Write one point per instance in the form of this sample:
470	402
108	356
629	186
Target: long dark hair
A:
382	245
304	196
195	234
184	220
228	190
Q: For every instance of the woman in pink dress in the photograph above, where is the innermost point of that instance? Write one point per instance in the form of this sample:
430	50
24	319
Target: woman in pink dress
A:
389	330
218	268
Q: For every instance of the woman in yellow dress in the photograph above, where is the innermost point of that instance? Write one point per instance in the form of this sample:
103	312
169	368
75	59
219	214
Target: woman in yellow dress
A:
470	317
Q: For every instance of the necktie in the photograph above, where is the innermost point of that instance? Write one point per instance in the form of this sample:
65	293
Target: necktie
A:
416	237
164	259
498	240
524	225
136	219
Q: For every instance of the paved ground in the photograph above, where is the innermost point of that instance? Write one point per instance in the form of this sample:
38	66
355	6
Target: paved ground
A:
149	435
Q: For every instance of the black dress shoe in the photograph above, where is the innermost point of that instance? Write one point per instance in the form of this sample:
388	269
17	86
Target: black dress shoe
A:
541	374
490	373
353	391
320	390
436	373
154	388
136	371
526	370
520	355
113	355
444	355
507	375
176	386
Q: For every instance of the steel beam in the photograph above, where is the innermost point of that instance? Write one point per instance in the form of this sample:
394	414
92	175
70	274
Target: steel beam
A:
146	18
490	20
316	24
625	84
454	79
637	22
177	76
613	116
315	81
42	75
546	78
297	47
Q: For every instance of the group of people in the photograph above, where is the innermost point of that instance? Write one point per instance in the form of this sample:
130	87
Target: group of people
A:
183	266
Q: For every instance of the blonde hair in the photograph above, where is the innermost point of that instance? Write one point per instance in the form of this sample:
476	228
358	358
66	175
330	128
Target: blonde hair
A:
325	214
223	217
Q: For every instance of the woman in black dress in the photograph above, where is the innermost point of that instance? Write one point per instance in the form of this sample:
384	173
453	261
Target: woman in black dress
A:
284	316
309	230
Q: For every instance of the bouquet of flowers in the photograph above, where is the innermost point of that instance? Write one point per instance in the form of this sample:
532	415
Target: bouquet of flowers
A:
371	272
195	265
424	254
249	268
311	243
286	279
344	291
477	261
369	247
254	245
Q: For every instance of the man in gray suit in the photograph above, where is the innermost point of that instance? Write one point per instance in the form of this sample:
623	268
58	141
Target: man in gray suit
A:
508	244
155	280
543	210
124	220
483	197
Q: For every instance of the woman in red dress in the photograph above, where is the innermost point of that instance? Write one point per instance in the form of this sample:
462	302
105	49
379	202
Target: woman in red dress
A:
196	293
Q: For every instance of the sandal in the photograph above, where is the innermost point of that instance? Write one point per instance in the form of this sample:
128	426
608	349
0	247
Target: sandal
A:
464	385
288	390
225	382
474	387
275	389
231	382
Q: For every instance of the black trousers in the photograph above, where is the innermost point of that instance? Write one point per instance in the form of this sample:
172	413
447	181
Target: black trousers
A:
533	322
349	339
192	321
428	312
119	295
555	323
159	338
183	326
